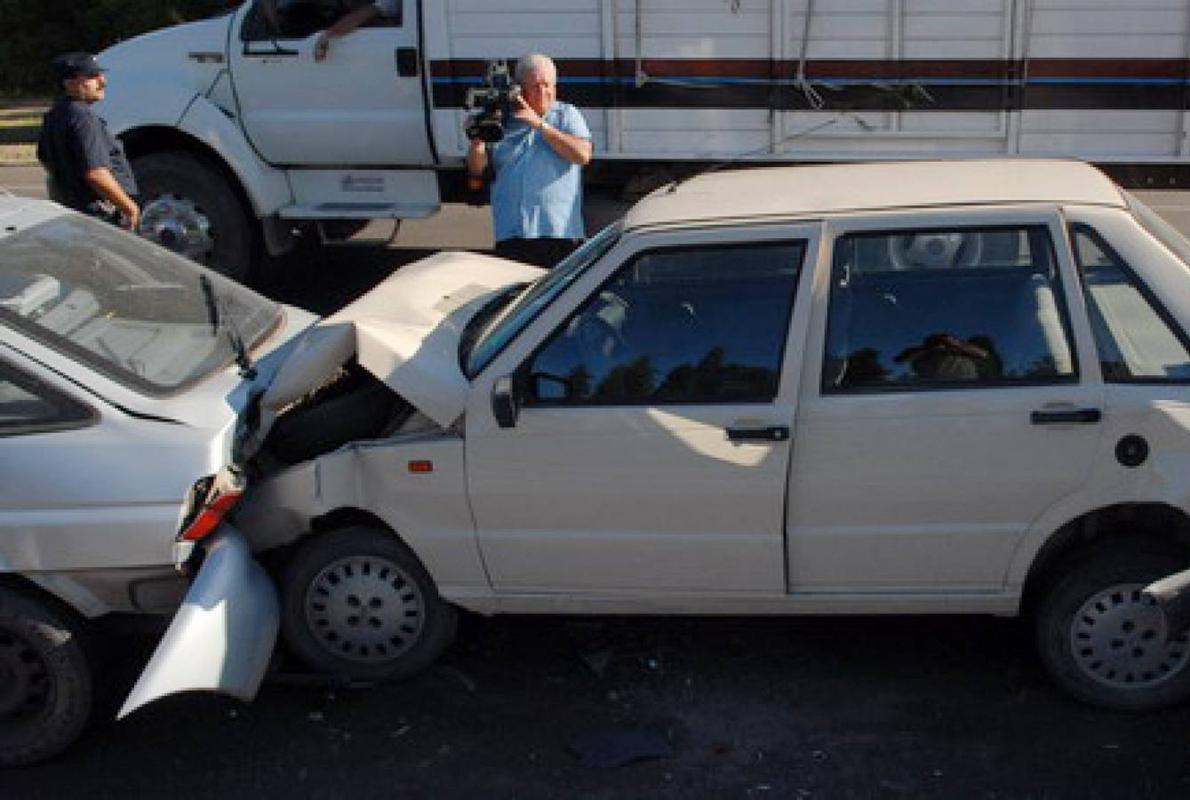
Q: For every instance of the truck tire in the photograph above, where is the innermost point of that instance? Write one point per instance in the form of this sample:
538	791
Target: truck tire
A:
45	680
189	207
357	604
1100	642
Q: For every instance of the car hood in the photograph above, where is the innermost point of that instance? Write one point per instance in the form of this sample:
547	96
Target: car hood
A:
406	331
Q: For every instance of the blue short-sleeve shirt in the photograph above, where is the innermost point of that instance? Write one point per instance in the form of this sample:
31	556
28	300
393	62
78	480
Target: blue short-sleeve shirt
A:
537	194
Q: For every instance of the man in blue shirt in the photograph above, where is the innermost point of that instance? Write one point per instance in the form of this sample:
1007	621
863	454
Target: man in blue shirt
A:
537	209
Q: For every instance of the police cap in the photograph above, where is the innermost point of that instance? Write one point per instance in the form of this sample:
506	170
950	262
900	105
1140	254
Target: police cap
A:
75	65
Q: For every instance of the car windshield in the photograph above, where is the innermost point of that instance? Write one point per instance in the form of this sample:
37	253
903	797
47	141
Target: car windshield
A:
504	326
134	311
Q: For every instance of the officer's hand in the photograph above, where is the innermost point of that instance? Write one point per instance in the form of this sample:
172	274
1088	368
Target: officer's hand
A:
130	219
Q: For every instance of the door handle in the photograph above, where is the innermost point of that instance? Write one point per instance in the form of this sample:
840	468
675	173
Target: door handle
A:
773	433
270	52
1078	416
407	62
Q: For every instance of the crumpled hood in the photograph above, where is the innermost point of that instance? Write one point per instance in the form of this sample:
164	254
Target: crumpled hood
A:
406	331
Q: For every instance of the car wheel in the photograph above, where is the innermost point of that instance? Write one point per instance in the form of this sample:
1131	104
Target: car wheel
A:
1101	642
188	207
45	680
357	604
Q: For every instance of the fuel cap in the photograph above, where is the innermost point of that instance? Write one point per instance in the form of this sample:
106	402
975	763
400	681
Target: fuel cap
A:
1132	450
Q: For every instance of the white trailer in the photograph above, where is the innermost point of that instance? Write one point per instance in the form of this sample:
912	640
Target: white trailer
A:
238	137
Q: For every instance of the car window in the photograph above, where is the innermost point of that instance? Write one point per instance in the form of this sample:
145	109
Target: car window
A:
125	307
526	306
29	406
944	309
1134	339
697	325
296	19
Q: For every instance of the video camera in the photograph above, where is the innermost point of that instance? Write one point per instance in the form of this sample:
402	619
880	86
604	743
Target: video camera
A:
495	103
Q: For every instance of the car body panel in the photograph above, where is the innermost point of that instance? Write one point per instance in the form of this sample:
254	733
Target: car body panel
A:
222	636
428	507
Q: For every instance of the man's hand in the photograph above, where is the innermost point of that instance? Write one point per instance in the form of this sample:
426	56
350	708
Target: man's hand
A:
573	148
130	218
526	114
106	186
321	45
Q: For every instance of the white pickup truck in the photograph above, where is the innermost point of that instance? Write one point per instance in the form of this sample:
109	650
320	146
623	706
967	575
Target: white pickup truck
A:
238	136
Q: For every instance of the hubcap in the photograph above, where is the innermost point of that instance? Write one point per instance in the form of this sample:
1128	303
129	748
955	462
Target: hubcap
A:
176	223
25	682
1120	642
365	608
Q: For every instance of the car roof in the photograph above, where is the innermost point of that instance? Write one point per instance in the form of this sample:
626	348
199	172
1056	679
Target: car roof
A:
816	190
17	213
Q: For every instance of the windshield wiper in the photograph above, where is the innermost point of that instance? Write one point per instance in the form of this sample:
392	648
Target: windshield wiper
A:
234	338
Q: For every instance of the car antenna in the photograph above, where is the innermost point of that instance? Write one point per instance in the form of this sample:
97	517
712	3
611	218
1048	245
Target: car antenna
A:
728	162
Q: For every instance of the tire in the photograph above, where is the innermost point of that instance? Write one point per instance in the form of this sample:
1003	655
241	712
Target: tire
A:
1100	643
189	207
358	605
45	680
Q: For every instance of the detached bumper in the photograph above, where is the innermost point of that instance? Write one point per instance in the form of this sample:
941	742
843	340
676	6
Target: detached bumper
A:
223	634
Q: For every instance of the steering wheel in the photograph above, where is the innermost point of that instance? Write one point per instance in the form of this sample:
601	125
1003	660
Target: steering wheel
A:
939	250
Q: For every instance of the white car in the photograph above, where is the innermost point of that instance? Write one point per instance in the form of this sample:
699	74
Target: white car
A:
124	372
931	388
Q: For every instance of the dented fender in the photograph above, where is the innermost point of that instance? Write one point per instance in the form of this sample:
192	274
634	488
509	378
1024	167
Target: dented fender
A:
222	636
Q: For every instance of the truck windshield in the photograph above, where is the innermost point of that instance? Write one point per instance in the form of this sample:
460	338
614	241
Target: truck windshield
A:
125	307
504	326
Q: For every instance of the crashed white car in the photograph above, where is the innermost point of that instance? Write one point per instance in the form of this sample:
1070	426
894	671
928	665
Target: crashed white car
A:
122	380
936	387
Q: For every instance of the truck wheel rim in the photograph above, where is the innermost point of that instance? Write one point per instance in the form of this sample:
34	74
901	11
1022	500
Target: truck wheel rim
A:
25	680
177	224
1120	642
365	609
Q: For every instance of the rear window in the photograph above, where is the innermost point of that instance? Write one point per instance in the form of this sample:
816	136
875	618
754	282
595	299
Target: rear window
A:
123	306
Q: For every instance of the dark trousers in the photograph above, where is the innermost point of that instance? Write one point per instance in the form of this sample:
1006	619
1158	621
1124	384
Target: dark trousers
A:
541	252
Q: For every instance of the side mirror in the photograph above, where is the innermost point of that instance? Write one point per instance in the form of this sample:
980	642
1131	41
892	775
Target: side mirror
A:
504	405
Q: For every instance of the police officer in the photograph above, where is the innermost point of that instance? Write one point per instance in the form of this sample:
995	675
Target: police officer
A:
85	165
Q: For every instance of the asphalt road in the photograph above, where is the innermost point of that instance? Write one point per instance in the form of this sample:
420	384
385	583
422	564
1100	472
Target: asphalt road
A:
526	707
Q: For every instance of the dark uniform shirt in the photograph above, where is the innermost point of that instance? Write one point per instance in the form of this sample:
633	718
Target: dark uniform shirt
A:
74	140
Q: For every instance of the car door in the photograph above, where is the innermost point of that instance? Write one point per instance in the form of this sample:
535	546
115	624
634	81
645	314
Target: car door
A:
362	106
949	407
651	449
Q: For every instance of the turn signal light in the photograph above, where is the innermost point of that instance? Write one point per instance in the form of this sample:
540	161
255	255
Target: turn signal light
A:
211	499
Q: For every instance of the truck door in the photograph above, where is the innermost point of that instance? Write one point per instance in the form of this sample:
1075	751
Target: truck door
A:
361	106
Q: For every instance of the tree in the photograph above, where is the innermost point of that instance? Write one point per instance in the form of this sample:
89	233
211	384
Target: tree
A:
37	30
